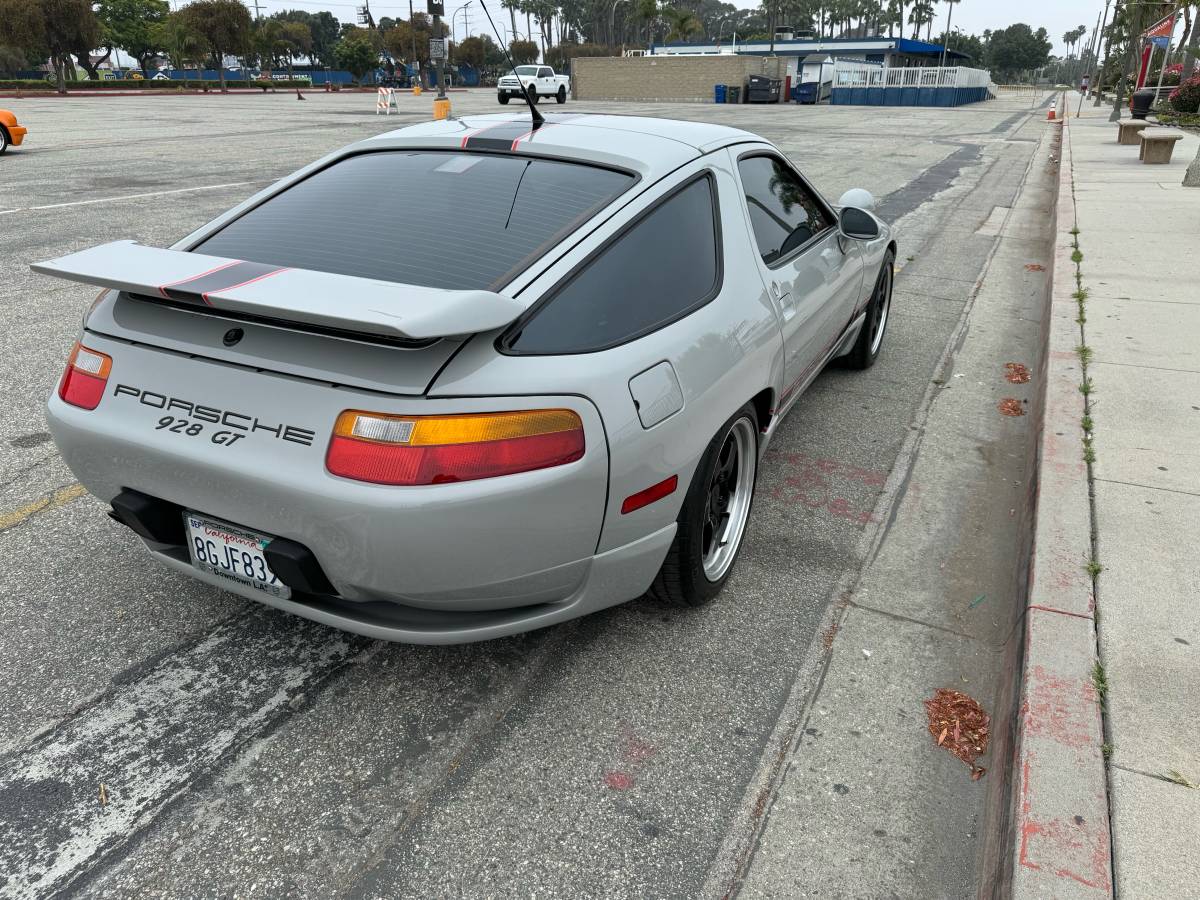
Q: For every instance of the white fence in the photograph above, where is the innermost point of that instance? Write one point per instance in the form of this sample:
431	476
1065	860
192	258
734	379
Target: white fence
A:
859	75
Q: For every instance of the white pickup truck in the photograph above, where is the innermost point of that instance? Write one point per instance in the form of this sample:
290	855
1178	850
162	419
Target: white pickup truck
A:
540	81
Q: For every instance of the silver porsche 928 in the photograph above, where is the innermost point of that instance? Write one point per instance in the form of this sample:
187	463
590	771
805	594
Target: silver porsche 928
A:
468	379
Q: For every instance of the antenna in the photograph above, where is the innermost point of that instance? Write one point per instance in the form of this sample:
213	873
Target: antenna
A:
538	120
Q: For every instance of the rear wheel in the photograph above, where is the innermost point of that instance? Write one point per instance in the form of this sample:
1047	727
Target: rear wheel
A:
870	338
712	522
3	138
503	98
561	97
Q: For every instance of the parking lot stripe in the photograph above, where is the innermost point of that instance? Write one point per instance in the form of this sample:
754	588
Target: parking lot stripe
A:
13	518
147	740
204	187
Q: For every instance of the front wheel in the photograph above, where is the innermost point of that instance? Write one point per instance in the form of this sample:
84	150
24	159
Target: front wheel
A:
533	97
3	138
712	522
503	98
870	337
561	97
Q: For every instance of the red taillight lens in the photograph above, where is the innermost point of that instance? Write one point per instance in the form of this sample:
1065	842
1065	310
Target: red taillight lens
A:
86	374
411	450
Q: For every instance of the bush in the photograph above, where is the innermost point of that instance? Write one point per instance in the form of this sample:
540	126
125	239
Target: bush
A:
1186	97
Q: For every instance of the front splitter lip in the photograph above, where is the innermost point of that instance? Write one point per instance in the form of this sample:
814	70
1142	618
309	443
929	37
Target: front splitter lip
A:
614	577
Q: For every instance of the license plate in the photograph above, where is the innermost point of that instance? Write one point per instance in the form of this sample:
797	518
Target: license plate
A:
233	553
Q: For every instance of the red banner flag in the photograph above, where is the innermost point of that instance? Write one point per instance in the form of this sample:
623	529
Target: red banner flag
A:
1162	28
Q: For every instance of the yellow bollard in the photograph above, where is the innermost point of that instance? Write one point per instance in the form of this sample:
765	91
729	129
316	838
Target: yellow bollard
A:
441	109
416	90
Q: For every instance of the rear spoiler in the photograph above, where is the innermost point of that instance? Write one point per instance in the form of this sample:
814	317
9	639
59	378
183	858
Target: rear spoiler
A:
324	299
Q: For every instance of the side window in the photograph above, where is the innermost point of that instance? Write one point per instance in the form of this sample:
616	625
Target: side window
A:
662	268
784	213
545	72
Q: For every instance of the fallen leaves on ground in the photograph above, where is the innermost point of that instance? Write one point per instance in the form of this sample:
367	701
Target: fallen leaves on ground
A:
1010	406
959	724
1016	373
1034	267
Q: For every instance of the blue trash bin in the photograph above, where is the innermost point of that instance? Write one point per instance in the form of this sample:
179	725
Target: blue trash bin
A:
719	93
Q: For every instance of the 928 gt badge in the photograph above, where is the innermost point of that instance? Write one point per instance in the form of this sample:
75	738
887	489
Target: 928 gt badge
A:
193	417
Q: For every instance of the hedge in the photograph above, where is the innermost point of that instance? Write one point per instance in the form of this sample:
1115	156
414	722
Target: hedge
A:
161	84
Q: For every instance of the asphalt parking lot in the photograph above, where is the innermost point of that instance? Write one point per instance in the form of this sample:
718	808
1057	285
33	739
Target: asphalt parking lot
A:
630	754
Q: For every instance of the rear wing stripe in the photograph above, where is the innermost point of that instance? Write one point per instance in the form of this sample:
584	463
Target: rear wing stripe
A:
222	278
302	296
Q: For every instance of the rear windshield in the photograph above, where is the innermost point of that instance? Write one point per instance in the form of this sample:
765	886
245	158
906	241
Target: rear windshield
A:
446	220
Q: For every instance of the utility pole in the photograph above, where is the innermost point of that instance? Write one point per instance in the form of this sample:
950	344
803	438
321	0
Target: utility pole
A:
437	8
1135	35
412	30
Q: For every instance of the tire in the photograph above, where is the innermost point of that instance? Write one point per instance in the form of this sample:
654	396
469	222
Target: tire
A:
870	338
697	566
533	97
503	98
3	139
561	96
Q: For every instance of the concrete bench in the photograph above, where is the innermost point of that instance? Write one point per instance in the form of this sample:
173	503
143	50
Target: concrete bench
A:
1127	131
1157	145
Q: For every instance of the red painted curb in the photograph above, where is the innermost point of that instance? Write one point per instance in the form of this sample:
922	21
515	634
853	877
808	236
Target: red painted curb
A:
1063	840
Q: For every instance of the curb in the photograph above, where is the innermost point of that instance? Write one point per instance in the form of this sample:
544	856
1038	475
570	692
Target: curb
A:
1062	843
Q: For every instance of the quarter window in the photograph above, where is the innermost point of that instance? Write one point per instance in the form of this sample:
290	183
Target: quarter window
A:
783	211
662	268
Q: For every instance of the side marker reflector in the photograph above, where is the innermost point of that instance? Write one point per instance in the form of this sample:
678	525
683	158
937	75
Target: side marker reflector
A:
650	495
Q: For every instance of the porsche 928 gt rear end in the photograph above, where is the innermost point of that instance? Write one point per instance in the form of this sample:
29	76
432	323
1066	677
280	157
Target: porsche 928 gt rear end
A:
257	407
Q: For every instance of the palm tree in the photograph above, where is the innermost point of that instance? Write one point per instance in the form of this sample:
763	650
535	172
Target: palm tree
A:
920	15
681	23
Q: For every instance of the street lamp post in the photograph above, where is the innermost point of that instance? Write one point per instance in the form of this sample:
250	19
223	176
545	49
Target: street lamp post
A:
612	21
949	14
455	17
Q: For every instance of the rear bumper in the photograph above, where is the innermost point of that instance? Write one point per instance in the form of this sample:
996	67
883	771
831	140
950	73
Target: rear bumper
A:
474	559
609	579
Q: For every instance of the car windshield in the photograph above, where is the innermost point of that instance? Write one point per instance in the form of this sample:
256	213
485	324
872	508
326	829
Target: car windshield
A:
526	70
437	219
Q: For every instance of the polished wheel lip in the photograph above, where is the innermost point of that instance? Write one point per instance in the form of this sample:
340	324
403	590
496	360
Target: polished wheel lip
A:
727	504
882	308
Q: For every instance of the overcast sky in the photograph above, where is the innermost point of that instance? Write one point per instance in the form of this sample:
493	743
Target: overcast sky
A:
1056	16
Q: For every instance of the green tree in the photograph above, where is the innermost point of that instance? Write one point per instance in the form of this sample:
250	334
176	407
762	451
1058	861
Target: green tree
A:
920	16
682	24
1018	48
356	54
523	52
225	26
22	33
131	25
470	51
279	39
68	25
323	27
181	43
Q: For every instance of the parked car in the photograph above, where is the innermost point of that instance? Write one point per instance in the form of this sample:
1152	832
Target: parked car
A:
10	131
539	81
441	440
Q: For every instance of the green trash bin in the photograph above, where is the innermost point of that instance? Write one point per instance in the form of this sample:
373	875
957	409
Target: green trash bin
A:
733	93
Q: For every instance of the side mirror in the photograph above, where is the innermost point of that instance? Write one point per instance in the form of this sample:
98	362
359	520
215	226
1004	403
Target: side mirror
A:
858	224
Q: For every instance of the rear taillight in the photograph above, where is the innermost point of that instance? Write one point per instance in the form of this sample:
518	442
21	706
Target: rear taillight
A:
409	450
85	376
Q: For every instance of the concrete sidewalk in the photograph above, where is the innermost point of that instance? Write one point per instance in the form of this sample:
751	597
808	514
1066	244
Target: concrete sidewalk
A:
1118	523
